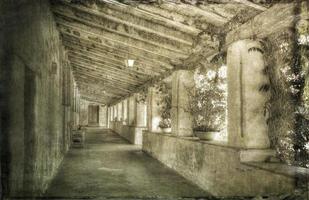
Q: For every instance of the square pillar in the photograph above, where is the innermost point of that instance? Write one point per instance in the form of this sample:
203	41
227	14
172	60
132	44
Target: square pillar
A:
119	112
108	116
247	126
103	116
125	112
131	110
141	114
181	117
153	114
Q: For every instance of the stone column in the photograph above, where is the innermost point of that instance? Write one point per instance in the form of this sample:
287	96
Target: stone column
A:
181	117
75	101
153	115
119	112
115	112
128	110
247	126
108	116
125	112
102	116
131	110
141	112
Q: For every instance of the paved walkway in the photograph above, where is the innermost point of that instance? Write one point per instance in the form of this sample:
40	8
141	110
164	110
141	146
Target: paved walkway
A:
110	167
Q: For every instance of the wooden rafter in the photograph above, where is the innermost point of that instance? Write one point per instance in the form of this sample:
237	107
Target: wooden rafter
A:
116	48
119	56
108	66
82	26
99	36
251	4
140	68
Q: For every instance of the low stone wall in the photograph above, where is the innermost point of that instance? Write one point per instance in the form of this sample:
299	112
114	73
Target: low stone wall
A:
215	168
131	133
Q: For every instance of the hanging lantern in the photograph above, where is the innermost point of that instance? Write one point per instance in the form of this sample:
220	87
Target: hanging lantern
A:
129	62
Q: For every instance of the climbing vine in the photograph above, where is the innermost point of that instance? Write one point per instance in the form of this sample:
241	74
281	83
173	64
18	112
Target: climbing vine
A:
141	97
288	106
165	104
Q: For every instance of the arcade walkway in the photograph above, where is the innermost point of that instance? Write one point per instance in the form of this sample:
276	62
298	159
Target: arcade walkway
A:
108	166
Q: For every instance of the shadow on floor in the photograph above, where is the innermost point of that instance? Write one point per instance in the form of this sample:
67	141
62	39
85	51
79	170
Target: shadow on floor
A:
109	167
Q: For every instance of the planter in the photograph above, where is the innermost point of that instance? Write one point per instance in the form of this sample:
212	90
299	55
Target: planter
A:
206	135
166	130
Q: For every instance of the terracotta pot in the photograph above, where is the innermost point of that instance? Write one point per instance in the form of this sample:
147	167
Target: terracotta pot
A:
205	135
166	130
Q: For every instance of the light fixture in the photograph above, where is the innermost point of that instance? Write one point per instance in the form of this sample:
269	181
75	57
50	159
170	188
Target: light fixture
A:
129	62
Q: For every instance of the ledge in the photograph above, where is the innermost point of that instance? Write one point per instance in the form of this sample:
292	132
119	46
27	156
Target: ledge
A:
280	168
196	139
250	157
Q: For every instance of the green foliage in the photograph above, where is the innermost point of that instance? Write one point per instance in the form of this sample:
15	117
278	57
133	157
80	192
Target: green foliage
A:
142	96
165	104
208	99
288	106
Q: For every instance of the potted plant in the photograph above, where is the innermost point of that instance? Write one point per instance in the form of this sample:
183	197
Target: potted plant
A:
208	103
165	125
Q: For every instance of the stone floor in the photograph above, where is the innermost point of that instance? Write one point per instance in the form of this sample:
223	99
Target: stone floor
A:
110	167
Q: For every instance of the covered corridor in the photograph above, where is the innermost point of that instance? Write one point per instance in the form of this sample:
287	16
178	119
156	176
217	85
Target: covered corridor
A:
154	99
109	166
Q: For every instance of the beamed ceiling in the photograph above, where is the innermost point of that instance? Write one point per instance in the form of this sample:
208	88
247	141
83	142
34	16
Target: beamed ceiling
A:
161	36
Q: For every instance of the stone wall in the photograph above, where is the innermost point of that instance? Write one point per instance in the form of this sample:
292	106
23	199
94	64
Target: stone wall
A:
35	106
215	168
131	133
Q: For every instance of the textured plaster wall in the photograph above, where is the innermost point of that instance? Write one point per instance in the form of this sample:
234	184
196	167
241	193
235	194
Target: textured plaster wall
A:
131	133
217	169
34	130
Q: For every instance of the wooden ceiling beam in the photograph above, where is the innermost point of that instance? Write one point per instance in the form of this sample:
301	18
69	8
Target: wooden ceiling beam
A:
142	18
93	99
84	90
105	72
251	4
195	13
96	75
116	57
97	97
156	10
85	27
111	72
116	49
106	75
101	83
117	85
134	73
138	68
110	22
109	91
91	90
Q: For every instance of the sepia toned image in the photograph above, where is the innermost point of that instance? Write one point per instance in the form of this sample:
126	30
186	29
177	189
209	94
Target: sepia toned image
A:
154	99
